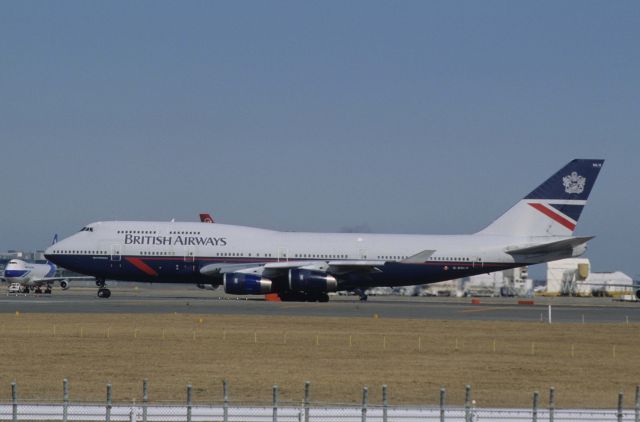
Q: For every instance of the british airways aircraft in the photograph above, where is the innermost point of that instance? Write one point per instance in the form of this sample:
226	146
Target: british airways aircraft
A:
306	266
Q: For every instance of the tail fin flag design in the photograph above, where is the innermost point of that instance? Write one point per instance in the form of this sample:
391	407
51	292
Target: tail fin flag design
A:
554	207
206	218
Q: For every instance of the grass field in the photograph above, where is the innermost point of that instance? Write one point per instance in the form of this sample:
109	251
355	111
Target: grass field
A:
505	362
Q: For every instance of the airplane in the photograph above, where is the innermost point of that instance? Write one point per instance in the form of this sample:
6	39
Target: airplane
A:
35	276
302	266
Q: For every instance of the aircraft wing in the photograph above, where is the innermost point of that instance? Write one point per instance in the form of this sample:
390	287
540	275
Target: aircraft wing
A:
276	269
46	280
222	268
547	248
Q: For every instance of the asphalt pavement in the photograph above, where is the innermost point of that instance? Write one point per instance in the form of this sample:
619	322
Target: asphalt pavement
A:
188	299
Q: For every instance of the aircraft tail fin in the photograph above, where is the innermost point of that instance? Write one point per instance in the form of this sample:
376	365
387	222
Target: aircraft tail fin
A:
206	218
554	207
51	264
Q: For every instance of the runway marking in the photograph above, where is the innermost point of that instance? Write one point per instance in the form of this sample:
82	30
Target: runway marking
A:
470	311
302	305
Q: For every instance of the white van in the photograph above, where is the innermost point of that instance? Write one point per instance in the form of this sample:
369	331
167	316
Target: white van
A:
15	288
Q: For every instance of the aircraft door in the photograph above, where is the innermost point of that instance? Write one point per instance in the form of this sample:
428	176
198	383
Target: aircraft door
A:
116	251
189	260
189	255
477	262
283	255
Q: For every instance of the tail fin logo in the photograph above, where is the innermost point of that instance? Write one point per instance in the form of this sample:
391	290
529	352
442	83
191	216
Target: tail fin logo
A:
574	183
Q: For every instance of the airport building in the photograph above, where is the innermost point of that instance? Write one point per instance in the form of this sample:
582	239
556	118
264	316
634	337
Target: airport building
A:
573	277
31	256
513	282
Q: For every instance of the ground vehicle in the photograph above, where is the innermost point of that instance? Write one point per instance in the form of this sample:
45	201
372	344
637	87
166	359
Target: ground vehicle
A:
15	288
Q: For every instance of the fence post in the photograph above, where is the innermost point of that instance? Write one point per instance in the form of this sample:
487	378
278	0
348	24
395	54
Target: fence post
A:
552	403
365	402
385	403
534	411
65	400
620	400
637	403
443	398
14	402
306	401
189	397
275	403
108	408
467	403
145	398
225	401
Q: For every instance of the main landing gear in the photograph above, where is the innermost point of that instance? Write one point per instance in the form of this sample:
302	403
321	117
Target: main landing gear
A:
362	294
103	292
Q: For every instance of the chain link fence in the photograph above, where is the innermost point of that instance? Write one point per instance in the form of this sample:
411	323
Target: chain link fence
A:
304	411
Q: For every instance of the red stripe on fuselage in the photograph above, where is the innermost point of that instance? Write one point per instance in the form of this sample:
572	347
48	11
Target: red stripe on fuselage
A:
554	216
139	264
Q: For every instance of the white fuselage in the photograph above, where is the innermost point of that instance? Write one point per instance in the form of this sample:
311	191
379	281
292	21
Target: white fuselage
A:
27	274
176	251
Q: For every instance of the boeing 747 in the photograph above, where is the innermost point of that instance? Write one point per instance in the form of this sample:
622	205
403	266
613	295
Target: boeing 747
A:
307	266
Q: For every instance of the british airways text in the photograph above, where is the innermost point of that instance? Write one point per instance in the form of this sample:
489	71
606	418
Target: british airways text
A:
131	239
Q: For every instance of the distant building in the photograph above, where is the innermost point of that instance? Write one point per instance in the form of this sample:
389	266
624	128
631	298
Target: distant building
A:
573	277
513	282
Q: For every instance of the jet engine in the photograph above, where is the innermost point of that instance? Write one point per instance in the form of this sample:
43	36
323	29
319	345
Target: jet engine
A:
303	280
246	284
64	284
638	294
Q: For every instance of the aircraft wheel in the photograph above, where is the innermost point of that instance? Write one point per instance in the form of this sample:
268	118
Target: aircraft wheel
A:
104	293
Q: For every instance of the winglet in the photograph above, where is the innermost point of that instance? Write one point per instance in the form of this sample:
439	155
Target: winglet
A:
419	258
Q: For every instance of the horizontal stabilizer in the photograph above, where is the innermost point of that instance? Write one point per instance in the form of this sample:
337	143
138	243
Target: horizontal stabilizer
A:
547	248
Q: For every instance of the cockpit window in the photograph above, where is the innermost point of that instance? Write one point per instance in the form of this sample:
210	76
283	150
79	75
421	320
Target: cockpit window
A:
87	229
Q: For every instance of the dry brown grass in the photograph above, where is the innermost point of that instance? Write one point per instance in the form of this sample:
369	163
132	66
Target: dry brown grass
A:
92	350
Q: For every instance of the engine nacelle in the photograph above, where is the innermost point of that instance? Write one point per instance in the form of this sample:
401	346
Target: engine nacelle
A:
246	284
638	294
302	280
64	284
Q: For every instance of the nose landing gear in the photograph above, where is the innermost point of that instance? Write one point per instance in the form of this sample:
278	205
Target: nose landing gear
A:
103	292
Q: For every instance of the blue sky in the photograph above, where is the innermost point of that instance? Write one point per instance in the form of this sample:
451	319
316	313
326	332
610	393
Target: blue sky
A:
410	117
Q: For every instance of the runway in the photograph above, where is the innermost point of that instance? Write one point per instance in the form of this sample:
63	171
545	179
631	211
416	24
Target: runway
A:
163	299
